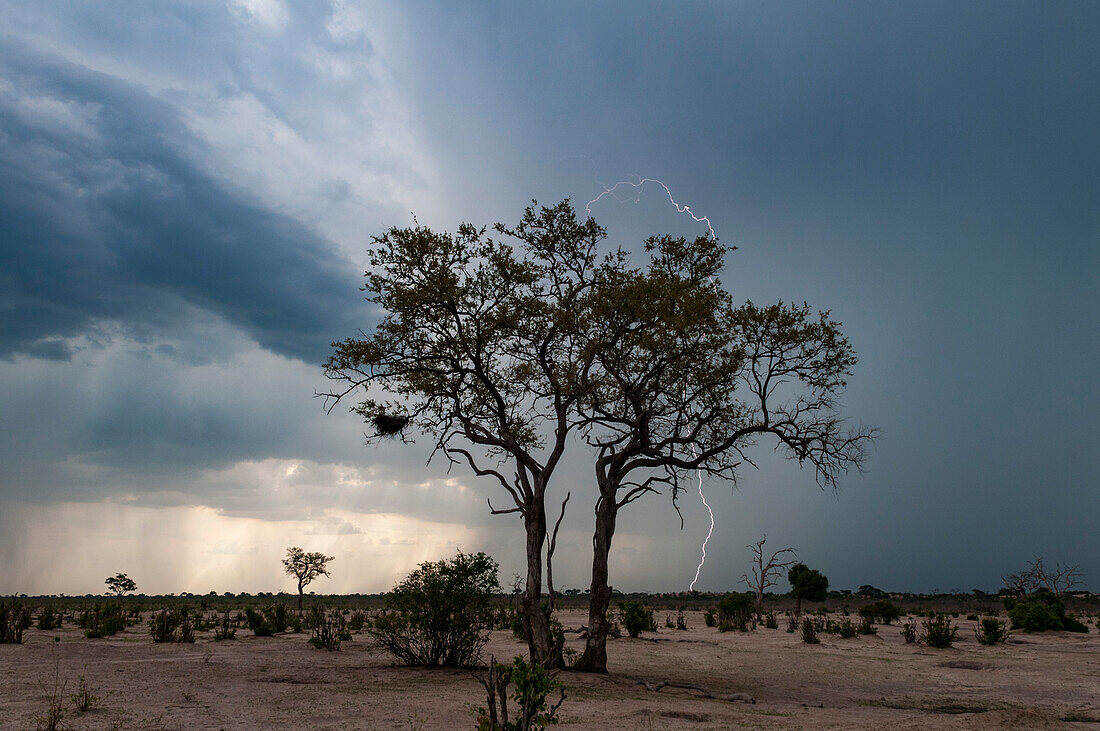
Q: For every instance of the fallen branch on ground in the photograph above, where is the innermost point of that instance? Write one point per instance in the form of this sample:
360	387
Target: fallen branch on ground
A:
731	697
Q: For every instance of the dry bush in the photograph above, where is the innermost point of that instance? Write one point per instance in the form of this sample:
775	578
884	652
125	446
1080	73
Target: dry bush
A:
14	619
809	631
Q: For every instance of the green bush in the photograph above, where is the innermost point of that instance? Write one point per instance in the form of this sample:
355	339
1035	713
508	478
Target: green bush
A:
14	619
681	623
939	631
636	618
865	627
880	611
809	632
172	625
1041	611
909	631
991	631
709	617
533	684
102	620
225	628
273	618
49	619
329	629
845	628
441	613
770	621
734	611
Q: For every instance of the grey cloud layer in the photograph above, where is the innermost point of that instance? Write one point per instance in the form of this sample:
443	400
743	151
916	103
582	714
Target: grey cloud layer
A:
107	217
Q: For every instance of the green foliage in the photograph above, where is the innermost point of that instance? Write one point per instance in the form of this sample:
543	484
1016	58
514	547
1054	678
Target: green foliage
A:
532	683
102	620
845	628
172	625
770	620
14	619
681	622
991	631
709	617
636	618
84	699
1041	611
909	631
807	584
734	610
809	632
273	618
225	628
865	627
356	621
939	631
49	619
880	611
329	629
440	614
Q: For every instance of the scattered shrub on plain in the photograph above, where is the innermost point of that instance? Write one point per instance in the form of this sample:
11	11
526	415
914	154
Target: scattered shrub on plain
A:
172	625
845	628
1041	611
636	618
14	619
809	632
225	628
991	631
734	611
440	614
709	617
770	621
273	618
102	620
533	684
880	611
329	630
681	622
49	618
84	699
909	631
939	631
865	627
792	623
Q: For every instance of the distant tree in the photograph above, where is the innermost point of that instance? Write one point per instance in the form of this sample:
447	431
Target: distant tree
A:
765	574
807	584
305	567
120	584
1058	580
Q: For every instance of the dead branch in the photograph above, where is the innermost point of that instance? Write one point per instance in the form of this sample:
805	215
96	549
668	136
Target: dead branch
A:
730	697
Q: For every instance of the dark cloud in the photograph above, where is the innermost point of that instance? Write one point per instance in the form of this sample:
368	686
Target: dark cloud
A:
107	216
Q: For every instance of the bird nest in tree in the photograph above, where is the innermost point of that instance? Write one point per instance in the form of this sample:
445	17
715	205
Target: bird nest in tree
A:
389	425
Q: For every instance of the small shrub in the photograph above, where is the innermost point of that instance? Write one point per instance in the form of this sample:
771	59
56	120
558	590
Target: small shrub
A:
636	618
533	684
845	628
809	632
939	631
770	621
880	611
669	624
172	625
792	623
356	621
102	620
972	617
225	628
991	631
84	699
1041	611
909	631
14	619
273	618
708	618
329	630
734	611
681	622
49	619
865	627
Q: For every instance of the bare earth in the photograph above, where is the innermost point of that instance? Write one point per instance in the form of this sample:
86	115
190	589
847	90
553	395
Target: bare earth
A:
878	681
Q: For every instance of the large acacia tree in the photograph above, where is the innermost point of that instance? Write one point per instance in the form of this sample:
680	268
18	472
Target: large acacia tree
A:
477	348
683	381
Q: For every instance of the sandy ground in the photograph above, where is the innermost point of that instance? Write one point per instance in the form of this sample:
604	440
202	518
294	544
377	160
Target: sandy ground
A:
281	682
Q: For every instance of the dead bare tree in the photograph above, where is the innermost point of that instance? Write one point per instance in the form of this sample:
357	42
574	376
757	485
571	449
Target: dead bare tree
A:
766	574
1035	575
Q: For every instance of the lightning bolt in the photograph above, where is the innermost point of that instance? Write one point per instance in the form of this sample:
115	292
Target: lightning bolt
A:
710	228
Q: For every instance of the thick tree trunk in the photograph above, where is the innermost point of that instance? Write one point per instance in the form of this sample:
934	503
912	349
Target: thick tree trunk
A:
537	624
594	659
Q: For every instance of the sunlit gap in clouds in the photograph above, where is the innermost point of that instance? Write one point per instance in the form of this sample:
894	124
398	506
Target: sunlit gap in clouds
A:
71	547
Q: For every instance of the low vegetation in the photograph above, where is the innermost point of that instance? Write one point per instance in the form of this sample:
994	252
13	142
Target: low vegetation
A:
14	619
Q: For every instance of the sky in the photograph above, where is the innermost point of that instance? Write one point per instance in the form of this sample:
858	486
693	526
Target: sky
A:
187	190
